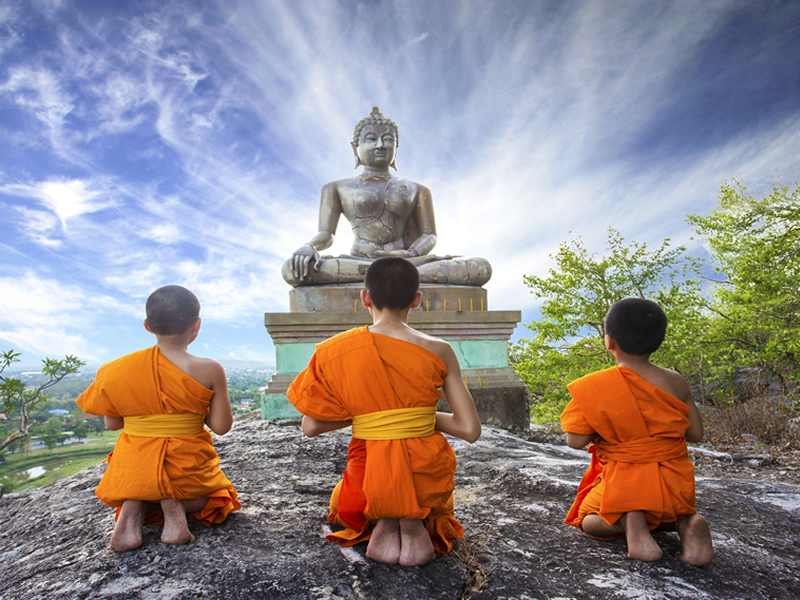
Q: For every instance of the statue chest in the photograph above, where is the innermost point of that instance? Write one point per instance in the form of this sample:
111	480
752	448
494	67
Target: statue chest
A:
371	199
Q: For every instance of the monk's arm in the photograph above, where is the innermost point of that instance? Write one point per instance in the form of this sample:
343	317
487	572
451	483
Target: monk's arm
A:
313	427
463	422
695	431
579	440
113	423
219	418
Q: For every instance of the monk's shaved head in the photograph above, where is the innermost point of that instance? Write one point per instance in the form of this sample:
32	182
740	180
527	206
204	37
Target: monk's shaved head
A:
392	283
637	325
172	309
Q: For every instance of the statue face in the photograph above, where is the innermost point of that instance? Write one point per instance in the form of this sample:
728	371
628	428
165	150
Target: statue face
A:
377	146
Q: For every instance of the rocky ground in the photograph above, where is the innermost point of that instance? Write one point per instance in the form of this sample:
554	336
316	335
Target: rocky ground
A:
512	494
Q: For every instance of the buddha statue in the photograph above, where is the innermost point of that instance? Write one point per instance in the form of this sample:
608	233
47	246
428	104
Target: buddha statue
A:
389	216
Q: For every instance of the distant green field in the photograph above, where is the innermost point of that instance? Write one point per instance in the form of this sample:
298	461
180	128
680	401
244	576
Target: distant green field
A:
22	470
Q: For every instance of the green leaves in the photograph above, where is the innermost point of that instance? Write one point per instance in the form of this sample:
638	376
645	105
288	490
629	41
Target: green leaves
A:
568	341
756	244
747	316
17	401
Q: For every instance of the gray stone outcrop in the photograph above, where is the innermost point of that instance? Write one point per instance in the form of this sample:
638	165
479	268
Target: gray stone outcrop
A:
511	496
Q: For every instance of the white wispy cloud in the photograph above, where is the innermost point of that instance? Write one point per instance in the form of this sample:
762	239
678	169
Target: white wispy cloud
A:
39	90
9	38
67	198
39	226
45	316
164	233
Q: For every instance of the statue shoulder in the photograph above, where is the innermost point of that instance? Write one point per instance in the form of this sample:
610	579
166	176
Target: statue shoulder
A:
333	190
421	192
335	185
421	189
413	187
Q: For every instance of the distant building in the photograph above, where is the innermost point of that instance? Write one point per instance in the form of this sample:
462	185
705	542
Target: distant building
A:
58	411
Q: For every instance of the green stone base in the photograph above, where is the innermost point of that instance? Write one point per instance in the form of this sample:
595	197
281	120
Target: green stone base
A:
479	339
277	406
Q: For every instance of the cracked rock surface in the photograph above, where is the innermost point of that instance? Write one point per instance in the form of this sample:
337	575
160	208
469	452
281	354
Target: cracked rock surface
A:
511	495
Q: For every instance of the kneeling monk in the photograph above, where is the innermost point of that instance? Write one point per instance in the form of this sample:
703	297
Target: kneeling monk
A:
639	417
385	381
164	466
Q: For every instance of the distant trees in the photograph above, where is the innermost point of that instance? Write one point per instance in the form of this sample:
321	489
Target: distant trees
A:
96	425
80	430
18	402
749	316
568	342
756	304
53	433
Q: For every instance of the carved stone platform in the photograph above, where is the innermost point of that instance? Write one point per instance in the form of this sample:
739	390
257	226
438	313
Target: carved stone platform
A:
347	298
479	338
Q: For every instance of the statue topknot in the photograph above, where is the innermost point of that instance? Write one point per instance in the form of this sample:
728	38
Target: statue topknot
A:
375	118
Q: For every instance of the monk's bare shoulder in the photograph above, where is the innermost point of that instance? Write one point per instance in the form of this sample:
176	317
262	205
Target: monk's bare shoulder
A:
672	382
207	371
408	334
436	345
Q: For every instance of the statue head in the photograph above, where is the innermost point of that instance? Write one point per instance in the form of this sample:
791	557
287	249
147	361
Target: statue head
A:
375	122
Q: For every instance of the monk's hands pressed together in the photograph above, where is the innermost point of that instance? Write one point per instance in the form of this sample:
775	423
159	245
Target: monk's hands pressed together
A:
302	258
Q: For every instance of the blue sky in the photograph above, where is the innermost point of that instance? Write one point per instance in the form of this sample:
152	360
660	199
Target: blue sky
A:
148	143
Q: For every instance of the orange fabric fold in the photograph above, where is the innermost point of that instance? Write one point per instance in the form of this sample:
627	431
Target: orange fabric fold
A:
356	373
640	461
153	468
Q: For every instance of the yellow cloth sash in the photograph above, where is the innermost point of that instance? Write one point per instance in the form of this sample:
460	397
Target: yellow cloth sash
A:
165	426
642	451
397	424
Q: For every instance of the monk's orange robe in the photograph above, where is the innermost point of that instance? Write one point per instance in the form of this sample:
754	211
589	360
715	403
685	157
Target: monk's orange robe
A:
640	461
356	373
154	468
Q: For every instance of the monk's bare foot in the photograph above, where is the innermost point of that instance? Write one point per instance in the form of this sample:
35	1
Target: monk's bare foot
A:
384	542
641	545
176	529
416	547
696	546
595	526
128	528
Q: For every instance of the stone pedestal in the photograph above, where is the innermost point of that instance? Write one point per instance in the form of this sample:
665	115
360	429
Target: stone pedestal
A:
457	314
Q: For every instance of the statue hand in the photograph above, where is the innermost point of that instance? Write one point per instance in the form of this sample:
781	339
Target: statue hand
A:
400	253
302	258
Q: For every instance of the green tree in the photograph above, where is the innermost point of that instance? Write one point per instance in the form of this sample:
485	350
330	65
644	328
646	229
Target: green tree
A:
53	433
756	244
17	445
80	430
18	402
97	425
568	339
